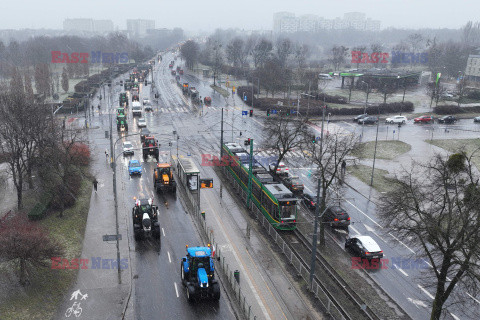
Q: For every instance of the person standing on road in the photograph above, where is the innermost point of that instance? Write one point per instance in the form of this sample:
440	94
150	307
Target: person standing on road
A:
344	167
95	183
98	109
106	154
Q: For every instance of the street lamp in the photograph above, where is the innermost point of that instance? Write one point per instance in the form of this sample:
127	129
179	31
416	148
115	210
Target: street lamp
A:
375	152
365	109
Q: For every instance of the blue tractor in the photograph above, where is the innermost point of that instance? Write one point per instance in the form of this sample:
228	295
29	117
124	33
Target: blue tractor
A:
198	276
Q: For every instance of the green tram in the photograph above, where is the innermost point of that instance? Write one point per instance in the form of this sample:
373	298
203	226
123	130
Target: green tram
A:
276	202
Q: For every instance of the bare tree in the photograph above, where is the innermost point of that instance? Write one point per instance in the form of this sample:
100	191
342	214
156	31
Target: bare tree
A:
272	76
261	52
285	135
284	50
16	84
362	49
189	52
327	156
416	42
42	79
28	85
65	80
338	54
27	244
441	215
235	52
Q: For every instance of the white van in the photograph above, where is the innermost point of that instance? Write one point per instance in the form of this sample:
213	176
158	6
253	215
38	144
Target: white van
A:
136	108
325	76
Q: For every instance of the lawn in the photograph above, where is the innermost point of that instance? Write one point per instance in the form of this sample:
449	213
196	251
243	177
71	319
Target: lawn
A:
42	297
381	183
387	150
457	145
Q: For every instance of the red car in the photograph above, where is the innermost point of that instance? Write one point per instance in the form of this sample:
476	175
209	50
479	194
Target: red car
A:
423	119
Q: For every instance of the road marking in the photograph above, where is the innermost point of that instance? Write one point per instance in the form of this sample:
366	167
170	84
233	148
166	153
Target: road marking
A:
356	231
454	316
351	125
364	214
426	292
169	259
176	289
370	229
308	189
473	297
400	269
401	243
163	231
417	302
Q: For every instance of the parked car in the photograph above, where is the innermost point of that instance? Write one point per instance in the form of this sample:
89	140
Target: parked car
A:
364	247
396	119
127	148
336	216
282	169
146	101
134	167
324	76
423	119
360	117
310	200
447	119
368	120
148	107
476	119
141	123
144	132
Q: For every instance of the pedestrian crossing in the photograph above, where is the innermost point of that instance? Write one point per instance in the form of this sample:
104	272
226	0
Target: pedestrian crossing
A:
173	110
271	153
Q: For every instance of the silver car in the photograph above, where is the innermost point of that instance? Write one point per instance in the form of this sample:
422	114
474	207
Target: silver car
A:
128	148
141	123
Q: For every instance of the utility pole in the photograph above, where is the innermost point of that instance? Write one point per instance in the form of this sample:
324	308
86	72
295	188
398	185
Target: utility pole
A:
375	152
317	211
250	175
221	136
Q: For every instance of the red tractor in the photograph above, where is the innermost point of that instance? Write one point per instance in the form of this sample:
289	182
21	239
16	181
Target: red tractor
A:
207	101
150	147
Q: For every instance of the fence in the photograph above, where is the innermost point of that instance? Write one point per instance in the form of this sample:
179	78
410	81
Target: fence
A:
318	289
223	269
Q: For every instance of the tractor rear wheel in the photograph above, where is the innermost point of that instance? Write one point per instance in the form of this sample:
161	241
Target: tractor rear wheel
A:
216	291
190	292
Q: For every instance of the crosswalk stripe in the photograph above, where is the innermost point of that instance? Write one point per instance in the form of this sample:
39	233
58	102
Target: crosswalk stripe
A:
163	109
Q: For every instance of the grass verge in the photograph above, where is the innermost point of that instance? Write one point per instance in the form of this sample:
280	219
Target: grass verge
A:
222	91
387	150
381	182
457	145
45	293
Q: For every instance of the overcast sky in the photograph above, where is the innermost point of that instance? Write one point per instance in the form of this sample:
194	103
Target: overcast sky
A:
207	15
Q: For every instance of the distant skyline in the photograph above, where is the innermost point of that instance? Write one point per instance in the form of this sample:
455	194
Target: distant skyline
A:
208	15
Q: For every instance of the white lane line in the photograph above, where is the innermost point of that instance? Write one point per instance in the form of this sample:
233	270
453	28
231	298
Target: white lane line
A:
308	189
356	231
473	297
401	243
426	292
400	269
176	289
364	214
351	125
169	259
163	231
370	229
454	316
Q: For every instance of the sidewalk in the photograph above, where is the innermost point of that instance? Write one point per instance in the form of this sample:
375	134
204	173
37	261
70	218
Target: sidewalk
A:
106	298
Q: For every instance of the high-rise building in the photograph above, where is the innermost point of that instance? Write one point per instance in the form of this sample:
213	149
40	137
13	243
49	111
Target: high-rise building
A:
88	25
286	22
103	26
78	25
139	27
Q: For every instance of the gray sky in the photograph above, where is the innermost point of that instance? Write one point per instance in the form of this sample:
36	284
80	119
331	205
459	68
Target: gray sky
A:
206	15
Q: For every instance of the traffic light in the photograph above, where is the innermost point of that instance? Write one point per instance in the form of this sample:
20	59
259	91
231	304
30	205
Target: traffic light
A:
314	139
288	112
247	142
251	113
268	112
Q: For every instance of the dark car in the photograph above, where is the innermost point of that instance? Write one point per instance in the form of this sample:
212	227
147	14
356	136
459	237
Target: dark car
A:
364	247
368	120
336	216
143	133
310	200
294	184
476	119
447	119
360	117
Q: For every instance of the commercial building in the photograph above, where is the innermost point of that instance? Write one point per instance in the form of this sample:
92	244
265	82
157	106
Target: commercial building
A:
472	70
